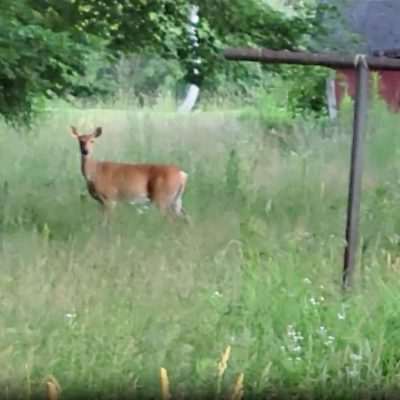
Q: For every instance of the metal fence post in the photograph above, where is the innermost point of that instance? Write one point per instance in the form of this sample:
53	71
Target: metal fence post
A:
362	64
356	170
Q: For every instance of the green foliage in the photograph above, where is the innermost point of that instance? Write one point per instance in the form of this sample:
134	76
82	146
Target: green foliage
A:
103	309
271	108
37	61
233	173
295	95
156	25
69	47
306	89
251	23
145	77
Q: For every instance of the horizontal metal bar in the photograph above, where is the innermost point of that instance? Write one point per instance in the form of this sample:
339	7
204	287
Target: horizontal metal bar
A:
330	60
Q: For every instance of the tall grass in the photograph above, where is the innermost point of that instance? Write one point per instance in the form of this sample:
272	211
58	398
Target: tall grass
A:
103	310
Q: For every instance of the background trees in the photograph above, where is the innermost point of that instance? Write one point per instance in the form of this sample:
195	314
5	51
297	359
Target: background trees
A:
73	47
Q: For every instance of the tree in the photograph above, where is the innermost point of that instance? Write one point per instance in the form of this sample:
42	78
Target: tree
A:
46	45
36	60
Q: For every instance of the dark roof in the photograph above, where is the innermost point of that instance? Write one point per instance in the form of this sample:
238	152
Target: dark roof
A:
392	53
375	22
378	22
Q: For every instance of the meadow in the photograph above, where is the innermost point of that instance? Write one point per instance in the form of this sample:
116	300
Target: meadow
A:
103	309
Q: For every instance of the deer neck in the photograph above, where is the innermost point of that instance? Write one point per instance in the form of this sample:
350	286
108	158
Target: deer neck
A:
88	167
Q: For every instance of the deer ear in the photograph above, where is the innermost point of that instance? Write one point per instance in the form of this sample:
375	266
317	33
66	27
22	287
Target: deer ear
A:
74	132
98	131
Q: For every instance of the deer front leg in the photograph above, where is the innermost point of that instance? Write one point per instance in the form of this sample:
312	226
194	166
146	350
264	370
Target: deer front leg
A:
107	207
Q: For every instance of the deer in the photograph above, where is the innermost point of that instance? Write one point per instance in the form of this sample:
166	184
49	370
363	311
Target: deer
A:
111	182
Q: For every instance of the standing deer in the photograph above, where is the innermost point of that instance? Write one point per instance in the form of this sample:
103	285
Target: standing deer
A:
111	182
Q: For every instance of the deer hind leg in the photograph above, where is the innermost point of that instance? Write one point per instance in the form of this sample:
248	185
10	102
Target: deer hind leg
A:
178	210
177	202
169	200
181	212
162	200
176	205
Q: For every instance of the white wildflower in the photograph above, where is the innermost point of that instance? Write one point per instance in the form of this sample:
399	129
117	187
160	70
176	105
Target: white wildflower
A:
351	372
313	301
297	349
290	331
70	318
329	340
356	357
341	316
295	338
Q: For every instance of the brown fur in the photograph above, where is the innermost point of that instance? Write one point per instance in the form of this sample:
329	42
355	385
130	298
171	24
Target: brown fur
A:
110	182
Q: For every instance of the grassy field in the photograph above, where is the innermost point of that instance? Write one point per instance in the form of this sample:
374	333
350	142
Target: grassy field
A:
102	309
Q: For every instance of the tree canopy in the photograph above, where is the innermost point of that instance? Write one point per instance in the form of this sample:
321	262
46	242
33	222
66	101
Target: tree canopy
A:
46	45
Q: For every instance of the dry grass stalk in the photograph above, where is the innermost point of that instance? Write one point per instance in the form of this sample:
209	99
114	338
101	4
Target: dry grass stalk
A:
53	388
164	382
237	392
222	365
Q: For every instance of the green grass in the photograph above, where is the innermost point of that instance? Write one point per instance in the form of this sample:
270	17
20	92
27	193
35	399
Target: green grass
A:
103	309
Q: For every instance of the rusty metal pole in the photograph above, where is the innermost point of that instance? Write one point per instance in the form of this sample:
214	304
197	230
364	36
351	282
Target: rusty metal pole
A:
362	64
356	170
331	60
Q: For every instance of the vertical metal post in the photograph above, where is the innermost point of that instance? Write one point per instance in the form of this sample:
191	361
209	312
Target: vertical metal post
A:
356	169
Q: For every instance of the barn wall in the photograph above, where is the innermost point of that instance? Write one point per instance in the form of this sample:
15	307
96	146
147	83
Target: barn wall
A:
389	86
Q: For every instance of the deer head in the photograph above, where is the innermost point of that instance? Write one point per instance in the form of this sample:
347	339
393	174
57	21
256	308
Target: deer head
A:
86	141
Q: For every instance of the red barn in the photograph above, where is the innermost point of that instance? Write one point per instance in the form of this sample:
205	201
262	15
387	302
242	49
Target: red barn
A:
366	27
389	82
